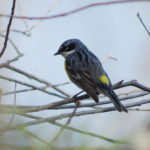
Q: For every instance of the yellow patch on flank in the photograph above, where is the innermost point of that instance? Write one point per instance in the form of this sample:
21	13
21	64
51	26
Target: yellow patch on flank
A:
1	92
104	79
65	65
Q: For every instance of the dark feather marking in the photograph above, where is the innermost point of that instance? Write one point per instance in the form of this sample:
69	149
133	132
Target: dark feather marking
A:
86	58
79	56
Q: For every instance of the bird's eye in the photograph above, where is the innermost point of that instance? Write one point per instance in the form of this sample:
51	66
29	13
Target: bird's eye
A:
70	47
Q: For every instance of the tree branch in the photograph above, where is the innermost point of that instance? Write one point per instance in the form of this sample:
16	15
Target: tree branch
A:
76	130
134	83
31	89
30	76
27	108
85	96
138	15
75	10
19	54
66	115
8	28
31	86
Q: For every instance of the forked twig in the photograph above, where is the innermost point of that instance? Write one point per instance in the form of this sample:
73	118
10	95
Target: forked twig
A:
63	127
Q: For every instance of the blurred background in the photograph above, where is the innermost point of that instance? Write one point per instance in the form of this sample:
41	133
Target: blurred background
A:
106	30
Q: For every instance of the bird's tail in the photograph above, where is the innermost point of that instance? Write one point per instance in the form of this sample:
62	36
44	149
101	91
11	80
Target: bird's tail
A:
114	98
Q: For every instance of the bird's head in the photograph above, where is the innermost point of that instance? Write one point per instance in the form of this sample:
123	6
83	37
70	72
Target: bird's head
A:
69	47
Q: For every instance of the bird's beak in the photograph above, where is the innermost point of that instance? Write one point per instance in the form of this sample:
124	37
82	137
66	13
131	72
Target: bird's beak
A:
57	53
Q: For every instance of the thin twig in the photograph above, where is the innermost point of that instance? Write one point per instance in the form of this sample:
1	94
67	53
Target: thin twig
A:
49	10
108	57
77	130
134	83
30	76
75	10
90	134
35	136
13	44
139	109
1	93
63	127
31	86
138	15
27	90
27	32
8	28
19	54
14	107
22	32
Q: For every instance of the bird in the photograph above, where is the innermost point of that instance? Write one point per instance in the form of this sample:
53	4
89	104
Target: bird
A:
86	71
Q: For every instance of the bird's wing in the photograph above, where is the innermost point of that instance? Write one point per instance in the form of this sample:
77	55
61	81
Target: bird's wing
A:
80	72
81	76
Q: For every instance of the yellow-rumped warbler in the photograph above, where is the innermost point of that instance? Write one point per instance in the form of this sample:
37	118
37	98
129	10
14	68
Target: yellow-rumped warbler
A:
85	70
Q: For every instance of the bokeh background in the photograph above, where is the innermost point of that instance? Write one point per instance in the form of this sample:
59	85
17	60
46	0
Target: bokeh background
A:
113	29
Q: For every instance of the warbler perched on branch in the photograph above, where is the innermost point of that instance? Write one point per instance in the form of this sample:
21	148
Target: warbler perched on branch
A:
86	71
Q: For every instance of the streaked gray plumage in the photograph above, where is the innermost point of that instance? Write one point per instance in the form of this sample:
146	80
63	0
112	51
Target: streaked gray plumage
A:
85	70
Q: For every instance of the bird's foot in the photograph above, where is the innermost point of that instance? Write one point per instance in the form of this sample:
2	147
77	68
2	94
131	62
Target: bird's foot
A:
77	102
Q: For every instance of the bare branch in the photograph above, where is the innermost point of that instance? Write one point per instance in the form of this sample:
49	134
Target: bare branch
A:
14	106
139	109
19	54
66	115
63	127
108	57
135	84
31	86
27	90
13	44
126	97
8	28
22	32
58	105
55	4
75	10
27	108
90	134
76	130
70	100
35	136
138	15
30	76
